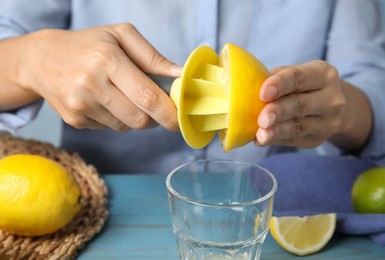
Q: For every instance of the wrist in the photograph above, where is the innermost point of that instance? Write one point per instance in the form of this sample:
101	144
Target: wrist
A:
356	120
31	59
17	72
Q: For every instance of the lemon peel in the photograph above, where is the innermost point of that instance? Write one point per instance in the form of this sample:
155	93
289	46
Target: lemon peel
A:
37	195
368	192
219	94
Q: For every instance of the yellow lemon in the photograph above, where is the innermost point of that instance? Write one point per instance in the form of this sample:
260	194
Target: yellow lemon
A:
219	94
246	75
303	235
368	191
37	195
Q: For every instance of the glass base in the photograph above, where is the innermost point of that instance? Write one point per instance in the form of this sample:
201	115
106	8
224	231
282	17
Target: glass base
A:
245	250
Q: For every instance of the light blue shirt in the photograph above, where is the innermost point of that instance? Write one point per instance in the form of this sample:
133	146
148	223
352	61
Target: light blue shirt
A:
346	33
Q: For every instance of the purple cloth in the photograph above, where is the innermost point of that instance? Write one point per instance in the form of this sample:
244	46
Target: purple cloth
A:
310	184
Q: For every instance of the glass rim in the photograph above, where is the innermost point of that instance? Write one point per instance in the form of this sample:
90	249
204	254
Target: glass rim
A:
206	204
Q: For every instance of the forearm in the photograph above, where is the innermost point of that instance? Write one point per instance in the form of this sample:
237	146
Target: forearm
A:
14	90
356	120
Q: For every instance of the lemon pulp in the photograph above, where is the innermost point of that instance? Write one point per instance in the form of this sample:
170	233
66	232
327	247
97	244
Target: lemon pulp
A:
303	235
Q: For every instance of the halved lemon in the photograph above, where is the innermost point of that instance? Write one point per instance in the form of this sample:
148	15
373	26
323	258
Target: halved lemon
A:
219	94
303	235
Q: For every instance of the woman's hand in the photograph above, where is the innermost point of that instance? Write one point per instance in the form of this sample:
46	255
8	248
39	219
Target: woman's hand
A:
308	104
96	78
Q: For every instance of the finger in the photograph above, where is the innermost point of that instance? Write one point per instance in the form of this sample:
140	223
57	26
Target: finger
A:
144	93
121	108
300	78
291	129
92	124
86	111
277	70
142	53
96	117
73	117
291	106
107	119
308	141
82	122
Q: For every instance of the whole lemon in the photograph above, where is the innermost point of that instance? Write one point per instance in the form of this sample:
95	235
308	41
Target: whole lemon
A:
37	195
368	192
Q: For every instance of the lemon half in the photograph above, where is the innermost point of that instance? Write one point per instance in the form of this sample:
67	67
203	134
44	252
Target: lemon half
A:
219	94
246	75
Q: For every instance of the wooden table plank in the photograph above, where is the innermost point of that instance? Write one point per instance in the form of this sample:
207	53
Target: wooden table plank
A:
139	228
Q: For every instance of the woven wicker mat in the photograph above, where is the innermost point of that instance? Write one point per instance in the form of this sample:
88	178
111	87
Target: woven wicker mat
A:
66	242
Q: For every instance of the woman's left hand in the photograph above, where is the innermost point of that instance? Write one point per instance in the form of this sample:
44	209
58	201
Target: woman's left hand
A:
304	105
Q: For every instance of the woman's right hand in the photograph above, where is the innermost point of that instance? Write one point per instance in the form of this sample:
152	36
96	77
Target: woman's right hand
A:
96	78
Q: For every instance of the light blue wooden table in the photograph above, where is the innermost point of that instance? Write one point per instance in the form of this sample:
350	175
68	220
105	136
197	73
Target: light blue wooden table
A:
139	227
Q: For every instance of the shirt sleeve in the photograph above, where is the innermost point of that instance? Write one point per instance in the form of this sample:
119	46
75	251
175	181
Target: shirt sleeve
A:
11	121
18	17
356	48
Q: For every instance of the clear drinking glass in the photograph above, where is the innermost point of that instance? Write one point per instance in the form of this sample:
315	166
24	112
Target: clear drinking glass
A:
220	209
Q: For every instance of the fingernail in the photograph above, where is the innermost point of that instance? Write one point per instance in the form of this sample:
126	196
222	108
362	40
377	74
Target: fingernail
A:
176	70
265	135
267	120
271	92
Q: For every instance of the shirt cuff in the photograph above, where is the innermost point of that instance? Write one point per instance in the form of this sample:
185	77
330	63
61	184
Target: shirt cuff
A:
10	122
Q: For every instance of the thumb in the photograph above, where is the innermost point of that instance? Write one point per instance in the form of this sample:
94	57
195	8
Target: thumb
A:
142	53
159	65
